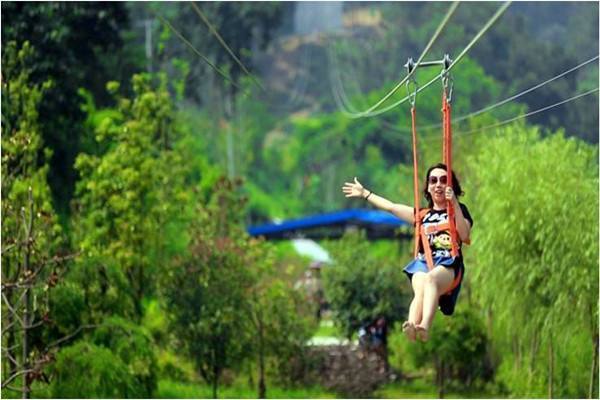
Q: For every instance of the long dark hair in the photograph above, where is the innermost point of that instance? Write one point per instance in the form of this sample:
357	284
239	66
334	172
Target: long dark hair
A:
455	183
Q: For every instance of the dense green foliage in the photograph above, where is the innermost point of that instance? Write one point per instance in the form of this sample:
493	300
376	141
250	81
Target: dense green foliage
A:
73	43
32	239
360	287
107	375
543	250
127	271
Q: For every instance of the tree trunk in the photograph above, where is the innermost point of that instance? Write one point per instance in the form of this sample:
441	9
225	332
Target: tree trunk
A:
11	367
594	367
441	385
25	356
216	374
139	294
262	387
28	311
550	369
533	355
516	352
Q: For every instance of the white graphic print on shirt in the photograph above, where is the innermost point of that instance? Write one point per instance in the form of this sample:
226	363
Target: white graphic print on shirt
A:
440	242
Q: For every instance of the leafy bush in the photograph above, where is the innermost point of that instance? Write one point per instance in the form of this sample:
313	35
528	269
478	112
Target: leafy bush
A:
134	346
85	370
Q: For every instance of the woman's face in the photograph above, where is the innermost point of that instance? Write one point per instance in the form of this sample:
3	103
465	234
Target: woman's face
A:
436	185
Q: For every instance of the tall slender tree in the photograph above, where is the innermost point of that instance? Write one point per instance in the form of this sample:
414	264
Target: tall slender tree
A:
31	235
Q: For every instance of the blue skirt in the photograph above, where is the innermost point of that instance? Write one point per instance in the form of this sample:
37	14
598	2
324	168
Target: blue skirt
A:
447	301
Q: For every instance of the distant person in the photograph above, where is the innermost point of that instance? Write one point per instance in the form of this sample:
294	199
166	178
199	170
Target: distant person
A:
430	287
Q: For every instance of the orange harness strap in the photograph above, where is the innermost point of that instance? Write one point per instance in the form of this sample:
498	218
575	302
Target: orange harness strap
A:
420	232
423	232
447	156
413	113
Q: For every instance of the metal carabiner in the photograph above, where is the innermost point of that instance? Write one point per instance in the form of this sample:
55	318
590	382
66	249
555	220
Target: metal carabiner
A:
412	96
448	84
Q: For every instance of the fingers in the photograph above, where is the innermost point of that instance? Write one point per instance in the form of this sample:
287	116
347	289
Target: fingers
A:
352	189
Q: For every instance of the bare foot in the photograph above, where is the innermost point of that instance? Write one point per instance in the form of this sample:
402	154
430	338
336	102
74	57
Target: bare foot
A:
422	333
409	330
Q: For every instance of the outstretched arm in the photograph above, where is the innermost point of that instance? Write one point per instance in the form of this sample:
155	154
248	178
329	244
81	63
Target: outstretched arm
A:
355	189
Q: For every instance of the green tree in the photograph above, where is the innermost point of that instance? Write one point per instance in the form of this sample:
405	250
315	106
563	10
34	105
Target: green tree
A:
206	289
120	356
457	351
73	42
134	346
537	258
31	236
361	288
106	375
126	195
281	321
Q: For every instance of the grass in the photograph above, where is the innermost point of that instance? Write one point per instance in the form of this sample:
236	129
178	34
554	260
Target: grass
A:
177	390
328	329
424	389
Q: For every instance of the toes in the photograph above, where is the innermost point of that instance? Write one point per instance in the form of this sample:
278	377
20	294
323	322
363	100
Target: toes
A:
422	333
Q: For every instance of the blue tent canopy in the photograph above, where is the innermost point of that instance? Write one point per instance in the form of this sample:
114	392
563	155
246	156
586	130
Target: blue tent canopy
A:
378	224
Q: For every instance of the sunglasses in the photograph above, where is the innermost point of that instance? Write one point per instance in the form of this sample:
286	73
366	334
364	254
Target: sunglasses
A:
434	179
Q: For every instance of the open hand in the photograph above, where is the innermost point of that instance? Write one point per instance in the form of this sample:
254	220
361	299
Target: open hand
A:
353	189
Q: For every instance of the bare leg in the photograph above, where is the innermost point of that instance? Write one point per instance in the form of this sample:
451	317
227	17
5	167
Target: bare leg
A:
438	281
415	312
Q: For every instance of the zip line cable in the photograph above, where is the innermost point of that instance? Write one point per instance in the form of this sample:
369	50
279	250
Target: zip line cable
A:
368	112
511	98
213	30
339	93
529	113
184	40
457	134
460	56
366	48
514	97
341	99
480	34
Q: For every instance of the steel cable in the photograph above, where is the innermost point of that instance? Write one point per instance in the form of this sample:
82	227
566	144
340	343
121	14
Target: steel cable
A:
370	112
460	56
519	116
184	40
213	30
511	98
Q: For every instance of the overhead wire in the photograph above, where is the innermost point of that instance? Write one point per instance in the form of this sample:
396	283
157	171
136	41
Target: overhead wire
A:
508	99
491	21
441	26
507	121
527	114
214	31
334	55
191	46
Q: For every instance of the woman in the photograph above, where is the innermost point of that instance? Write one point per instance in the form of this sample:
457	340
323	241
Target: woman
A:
430	287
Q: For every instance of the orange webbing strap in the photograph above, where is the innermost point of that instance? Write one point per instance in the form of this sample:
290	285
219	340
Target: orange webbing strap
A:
427	250
413	113
455	282
447	156
424	231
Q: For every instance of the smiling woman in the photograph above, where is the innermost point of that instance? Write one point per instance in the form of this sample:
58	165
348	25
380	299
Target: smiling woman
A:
436	272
